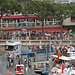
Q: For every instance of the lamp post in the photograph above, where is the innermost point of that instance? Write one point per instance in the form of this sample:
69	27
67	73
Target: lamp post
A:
50	55
50	58
1	13
50	52
13	58
48	45
27	51
47	51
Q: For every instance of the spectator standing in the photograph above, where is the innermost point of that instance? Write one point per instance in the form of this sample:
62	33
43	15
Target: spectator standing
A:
19	61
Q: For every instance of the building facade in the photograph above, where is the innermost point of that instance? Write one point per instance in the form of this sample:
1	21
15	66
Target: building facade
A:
64	1
34	22
56	1
69	24
30	21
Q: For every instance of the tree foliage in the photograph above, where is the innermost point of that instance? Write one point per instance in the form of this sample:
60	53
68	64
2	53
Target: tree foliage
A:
72	9
44	9
41	9
11	5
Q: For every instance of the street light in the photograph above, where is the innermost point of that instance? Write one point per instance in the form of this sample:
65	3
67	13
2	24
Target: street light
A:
47	45
50	52
13	58
27	51
50	58
1	13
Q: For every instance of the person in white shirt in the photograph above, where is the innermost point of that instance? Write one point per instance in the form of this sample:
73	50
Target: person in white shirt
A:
67	64
68	49
72	49
27	38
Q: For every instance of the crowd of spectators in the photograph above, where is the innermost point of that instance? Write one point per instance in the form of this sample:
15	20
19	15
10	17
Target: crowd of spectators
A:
63	49
32	35
55	48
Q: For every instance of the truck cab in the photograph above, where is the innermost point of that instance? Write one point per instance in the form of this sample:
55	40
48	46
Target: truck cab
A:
14	48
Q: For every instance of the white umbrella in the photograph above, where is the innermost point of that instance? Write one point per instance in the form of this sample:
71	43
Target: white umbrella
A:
65	58
73	57
55	56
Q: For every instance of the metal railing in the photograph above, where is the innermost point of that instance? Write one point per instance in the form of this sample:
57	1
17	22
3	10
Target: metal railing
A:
33	42
22	24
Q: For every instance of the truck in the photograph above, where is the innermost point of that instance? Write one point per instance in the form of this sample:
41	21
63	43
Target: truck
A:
14	48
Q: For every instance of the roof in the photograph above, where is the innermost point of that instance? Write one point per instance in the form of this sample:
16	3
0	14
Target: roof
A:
40	30
29	52
49	29
45	72
24	17
12	43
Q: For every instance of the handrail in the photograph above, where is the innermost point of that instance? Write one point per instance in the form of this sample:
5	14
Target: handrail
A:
41	42
46	23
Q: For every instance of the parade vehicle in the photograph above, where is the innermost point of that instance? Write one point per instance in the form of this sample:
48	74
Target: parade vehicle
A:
19	70
14	48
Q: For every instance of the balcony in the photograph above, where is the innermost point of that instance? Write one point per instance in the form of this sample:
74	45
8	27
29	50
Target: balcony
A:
29	24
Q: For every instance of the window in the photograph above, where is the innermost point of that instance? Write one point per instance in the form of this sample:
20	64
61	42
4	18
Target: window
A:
16	47
10	48
31	20
21	20
51	19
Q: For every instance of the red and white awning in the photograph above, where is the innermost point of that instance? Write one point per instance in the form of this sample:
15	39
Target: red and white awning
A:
49	30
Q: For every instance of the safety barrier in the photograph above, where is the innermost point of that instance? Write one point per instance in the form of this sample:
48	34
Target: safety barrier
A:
37	42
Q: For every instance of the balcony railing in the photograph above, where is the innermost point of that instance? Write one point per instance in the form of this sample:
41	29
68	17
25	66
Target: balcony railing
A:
41	42
22	24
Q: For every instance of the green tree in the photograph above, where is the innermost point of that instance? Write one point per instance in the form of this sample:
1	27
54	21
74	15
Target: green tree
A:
41	9
72	10
63	11
9	6
44	9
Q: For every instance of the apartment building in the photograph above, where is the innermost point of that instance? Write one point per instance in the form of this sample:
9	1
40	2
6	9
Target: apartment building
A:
64	1
56	1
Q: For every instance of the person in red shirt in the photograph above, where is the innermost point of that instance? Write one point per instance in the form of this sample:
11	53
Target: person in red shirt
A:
45	38
30	38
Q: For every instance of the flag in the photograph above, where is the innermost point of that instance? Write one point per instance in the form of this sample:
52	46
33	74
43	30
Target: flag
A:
51	33
45	38
16	31
63	67
59	55
35	47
